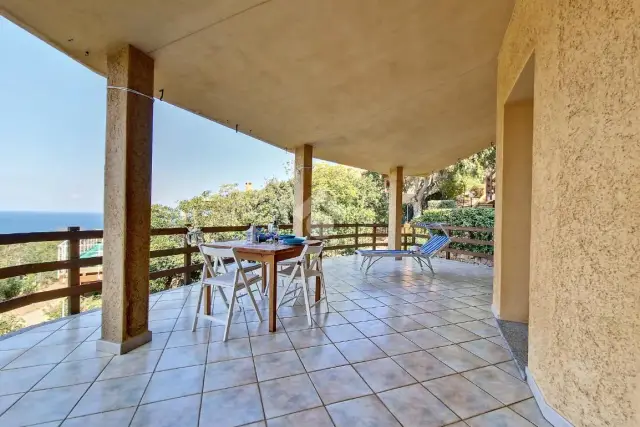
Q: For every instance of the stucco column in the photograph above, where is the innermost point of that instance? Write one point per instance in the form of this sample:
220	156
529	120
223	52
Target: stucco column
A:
513	213
302	190
127	202
396	181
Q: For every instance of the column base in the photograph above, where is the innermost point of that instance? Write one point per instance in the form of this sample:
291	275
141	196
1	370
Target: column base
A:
124	347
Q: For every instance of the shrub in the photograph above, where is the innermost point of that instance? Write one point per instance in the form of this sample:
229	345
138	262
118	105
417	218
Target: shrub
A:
10	323
465	217
441	204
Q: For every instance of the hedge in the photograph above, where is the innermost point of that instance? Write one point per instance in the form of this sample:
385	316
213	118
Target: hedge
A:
441	204
464	217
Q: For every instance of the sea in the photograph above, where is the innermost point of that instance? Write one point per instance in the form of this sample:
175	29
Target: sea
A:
24	222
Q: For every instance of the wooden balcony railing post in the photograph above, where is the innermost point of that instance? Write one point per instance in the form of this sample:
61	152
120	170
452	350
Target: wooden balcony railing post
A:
73	273
374	238
357	243
186	276
413	235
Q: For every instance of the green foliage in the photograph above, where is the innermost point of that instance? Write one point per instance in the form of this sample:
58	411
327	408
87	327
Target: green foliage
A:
10	323
26	253
441	204
57	309
465	217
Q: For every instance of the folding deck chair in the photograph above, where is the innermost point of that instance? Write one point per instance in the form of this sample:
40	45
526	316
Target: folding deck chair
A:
422	256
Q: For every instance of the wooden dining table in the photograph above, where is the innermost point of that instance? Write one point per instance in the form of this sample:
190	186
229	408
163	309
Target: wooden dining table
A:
269	254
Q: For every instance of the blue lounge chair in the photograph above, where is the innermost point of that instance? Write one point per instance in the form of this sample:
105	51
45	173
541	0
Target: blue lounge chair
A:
423	255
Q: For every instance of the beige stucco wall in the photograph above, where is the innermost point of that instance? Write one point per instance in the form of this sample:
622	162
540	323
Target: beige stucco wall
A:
585	274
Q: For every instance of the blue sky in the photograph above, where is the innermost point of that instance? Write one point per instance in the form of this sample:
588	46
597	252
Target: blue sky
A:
52	124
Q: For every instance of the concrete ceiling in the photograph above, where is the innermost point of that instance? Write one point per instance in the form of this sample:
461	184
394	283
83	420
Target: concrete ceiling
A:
369	83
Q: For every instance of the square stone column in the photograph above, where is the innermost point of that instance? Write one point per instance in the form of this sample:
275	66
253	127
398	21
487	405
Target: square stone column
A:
127	202
513	214
396	182
302	190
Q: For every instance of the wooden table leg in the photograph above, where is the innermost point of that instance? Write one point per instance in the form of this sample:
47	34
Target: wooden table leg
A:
264	277
207	300
318	289
273	294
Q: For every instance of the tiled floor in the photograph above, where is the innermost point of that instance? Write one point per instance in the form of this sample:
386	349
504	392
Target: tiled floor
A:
397	348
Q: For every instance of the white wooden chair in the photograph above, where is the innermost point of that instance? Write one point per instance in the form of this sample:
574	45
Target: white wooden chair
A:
300	272
237	280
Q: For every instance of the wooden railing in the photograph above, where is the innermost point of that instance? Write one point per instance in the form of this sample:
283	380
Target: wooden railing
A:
347	239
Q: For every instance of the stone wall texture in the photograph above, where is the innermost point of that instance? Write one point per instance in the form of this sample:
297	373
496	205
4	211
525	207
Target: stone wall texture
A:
585	276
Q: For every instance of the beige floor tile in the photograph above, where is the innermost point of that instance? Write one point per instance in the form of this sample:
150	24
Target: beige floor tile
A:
317	417
43	406
462	396
487	350
403	324
383	374
277	365
159	326
7	356
423	366
384	312
308	338
414	406
112	394
22	379
159	342
475	312
184	338
255	329
394	344
67	336
431	306
373	328
179	357
455	333
272	343
360	350
42	356
8	400
337	384
131	364
369	303
458	358
86	350
500	341
341	333
452	304
174	383
529	409
24	340
453	316
321	357
341	306
510	368
428	320
231	407
232	349
366	411
355	316
186	324
295	323
501	418
329	319
287	395
120	417
183	411
230	373
499	384
71	373
236	330
407	309
426	339
480	328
